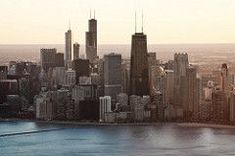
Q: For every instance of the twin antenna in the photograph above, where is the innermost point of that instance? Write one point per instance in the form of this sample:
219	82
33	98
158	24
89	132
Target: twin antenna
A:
91	15
142	27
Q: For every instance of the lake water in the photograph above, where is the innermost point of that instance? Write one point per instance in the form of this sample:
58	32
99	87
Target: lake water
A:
162	139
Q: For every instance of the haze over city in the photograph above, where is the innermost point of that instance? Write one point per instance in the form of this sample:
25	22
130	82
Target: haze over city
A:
127	77
165	21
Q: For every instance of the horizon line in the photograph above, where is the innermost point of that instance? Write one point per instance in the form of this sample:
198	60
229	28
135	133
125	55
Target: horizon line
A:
212	43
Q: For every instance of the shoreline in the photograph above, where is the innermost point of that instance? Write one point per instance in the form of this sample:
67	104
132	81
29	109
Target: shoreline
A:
77	123
206	125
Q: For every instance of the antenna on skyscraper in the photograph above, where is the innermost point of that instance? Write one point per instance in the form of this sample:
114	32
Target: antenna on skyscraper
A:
90	13
142	21
135	21
94	13
69	25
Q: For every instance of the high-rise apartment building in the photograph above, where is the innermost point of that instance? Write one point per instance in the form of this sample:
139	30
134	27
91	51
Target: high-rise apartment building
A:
76	48
105	107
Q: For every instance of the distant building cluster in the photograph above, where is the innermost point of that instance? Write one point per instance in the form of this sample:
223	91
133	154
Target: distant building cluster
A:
111	89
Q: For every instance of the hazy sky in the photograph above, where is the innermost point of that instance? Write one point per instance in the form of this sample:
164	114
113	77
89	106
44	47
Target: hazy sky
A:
166	21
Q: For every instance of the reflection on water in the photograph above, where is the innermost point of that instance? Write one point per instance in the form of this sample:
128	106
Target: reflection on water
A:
164	139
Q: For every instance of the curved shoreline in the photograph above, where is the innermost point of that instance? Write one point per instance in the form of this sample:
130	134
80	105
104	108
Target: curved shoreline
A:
29	132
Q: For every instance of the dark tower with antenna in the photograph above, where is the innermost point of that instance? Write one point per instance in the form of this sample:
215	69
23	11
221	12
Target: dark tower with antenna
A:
91	39
139	77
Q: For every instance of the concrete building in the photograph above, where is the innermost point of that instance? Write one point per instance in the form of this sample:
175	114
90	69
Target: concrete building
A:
118	117
100	85
76	50
138	105
84	80
208	93
68	49
105	107
46	106
157	79
48	58
125	77
70	78
84	92
59	75
190	90
59	60
8	87
122	98
139	77
112	75
169	87
232	107
225	79
152	59
181	63
3	72
81	67
220	107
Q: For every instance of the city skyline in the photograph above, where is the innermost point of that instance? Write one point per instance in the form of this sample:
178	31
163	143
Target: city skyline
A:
182	21
86	78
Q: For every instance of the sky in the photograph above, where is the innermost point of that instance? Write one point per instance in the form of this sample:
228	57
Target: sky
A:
165	21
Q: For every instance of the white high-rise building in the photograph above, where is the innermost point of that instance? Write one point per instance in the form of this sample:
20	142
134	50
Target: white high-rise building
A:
105	107
70	77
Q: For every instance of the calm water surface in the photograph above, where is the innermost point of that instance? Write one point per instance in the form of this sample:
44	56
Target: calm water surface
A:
163	139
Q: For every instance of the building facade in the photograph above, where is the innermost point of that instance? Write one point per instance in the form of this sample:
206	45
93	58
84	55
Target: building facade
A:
139	75
91	41
112	75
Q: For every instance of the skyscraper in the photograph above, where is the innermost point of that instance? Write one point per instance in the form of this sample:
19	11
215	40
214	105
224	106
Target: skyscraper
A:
91	40
59	60
105	107
112	75
225	78
68	48
139	77
190	93
76	47
48	58
81	68
180	65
